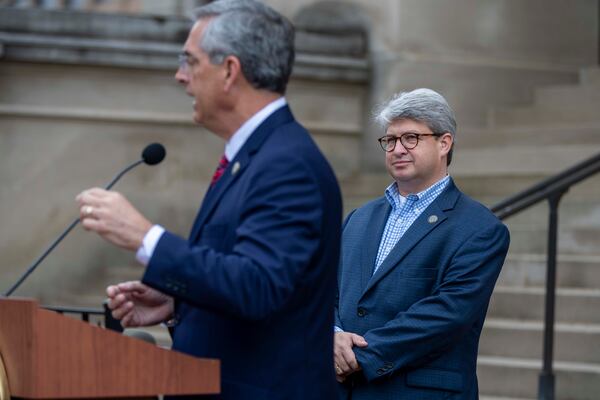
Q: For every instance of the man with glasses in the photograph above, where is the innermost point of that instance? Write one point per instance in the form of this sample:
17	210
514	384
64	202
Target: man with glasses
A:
254	284
417	268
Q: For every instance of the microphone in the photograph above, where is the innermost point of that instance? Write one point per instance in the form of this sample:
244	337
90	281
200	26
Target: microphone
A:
140	335
153	154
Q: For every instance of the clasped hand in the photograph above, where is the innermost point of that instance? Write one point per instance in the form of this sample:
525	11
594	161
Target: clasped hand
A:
343	356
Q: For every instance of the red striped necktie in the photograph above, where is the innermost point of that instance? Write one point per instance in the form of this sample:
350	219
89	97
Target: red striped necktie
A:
220	169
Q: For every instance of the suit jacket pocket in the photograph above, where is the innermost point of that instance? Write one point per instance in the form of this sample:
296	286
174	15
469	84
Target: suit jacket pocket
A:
435	379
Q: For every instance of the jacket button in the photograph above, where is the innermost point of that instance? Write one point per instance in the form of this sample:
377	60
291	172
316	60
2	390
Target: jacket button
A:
361	312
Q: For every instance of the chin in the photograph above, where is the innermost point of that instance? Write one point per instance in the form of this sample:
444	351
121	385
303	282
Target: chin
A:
402	177
197	119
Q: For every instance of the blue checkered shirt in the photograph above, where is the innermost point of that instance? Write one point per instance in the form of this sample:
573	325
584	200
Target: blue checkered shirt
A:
405	210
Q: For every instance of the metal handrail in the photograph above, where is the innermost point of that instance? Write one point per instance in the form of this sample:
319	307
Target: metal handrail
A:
540	191
552	190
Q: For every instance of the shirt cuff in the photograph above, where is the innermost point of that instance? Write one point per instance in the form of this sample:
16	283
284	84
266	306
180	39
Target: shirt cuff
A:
144	253
337	329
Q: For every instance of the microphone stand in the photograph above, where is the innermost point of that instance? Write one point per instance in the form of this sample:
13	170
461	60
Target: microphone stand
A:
65	233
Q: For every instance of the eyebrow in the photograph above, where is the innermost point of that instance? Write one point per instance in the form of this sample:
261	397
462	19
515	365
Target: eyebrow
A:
404	133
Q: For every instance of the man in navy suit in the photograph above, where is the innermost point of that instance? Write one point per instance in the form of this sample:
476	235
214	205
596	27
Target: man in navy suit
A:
254	284
417	268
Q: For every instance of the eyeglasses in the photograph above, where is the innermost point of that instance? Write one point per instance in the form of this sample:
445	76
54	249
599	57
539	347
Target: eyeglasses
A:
186	61
409	140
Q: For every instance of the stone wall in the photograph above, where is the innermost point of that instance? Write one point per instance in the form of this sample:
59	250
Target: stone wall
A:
478	53
81	94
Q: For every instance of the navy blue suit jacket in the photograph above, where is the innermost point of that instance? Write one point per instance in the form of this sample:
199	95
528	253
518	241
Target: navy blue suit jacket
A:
255	281
422	311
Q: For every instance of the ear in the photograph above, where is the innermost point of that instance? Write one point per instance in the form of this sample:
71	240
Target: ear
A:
232	71
445	142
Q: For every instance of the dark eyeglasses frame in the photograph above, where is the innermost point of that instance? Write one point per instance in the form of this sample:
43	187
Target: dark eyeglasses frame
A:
396	138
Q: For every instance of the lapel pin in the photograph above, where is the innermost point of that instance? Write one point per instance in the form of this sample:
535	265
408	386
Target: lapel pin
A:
235	168
432	219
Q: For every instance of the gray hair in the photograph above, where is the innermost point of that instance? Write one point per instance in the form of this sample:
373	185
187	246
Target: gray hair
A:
422	105
260	37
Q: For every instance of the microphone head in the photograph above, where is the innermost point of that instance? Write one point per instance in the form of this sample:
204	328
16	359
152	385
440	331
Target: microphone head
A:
141	335
154	153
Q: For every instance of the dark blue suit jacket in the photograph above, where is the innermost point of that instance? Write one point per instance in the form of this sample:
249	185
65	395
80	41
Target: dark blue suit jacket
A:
255	282
422	311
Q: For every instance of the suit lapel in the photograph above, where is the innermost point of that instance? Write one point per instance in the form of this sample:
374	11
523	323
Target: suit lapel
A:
214	193
374	229
237	166
430	219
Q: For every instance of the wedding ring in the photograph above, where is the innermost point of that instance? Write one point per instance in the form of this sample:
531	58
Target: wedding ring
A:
338	369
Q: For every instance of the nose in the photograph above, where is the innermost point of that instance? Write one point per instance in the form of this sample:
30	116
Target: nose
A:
181	76
399	148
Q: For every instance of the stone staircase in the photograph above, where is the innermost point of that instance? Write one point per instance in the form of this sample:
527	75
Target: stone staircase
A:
561	128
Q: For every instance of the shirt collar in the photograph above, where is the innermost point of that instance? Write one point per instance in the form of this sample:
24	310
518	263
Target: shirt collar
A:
396	200
233	146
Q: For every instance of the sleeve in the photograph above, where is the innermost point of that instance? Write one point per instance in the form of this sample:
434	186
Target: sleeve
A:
434	323
144	253
277	235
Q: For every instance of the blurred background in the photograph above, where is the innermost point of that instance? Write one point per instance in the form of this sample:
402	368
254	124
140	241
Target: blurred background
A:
86	84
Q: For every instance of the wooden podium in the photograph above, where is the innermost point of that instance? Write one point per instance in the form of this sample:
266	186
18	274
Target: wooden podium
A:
50	356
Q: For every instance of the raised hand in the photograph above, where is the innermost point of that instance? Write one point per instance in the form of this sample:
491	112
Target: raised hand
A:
112	216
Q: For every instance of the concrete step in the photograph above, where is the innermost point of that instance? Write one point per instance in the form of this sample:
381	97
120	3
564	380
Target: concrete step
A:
571	240
574	213
567	97
537	116
494	188
484	397
590	76
529	270
538	136
578	224
519	338
573	305
520	160
518	377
